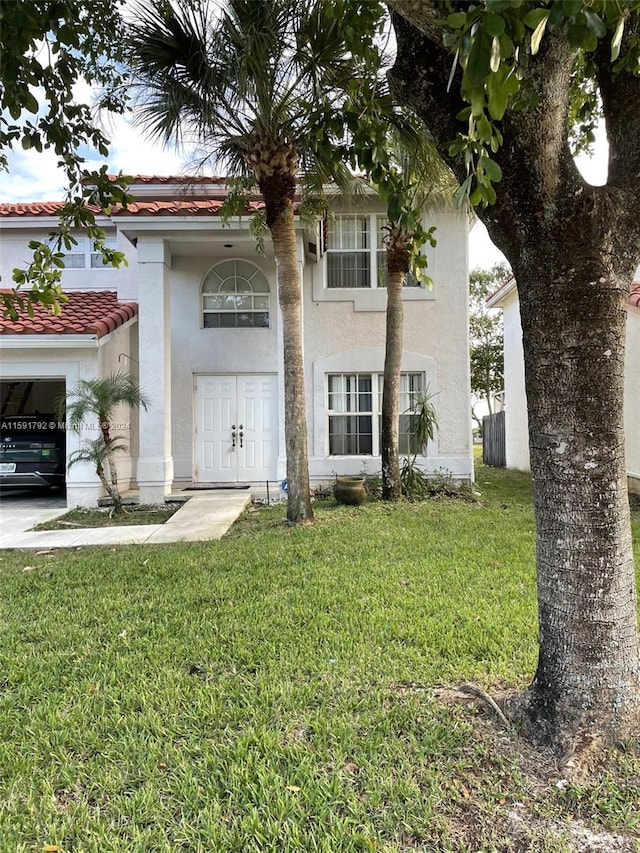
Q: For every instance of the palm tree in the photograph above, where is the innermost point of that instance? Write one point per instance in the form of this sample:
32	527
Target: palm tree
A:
415	178
238	81
99	398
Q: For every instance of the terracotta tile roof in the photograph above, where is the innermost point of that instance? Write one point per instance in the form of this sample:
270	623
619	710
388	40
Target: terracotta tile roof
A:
634	299
176	179
85	313
175	207
144	207
34	208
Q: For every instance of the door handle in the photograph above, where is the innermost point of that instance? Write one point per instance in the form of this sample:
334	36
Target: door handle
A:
241	435
233	435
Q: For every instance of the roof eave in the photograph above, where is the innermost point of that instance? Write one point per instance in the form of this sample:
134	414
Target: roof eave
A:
36	341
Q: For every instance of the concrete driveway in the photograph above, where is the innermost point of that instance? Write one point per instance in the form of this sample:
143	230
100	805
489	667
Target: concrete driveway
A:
20	509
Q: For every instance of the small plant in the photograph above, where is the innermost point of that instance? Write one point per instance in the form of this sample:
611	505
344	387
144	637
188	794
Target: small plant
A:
100	398
424	423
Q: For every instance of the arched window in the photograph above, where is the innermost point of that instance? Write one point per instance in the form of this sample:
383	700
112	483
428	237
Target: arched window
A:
235	295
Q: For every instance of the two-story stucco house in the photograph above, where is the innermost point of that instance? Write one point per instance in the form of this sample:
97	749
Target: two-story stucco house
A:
194	317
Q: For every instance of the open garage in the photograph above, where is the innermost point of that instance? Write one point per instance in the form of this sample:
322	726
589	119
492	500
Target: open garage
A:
33	452
30	396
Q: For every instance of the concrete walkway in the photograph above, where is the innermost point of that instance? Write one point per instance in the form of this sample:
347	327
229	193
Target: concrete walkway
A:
206	515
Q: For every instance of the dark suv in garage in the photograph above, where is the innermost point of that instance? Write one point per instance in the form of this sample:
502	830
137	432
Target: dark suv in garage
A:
32	452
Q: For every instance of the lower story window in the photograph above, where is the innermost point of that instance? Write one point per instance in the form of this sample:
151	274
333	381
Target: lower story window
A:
354	408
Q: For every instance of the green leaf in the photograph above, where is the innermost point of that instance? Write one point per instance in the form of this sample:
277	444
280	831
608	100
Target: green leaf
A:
484	129
394	209
536	35
30	103
532	19
457	20
494	24
571	8
477	99
478	60
498	95
454	65
494	62
616	41
595	23
492	169
463	192
489	194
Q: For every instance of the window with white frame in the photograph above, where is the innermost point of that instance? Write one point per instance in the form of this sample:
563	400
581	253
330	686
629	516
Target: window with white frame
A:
356	257
349	252
354	409
235	295
83	255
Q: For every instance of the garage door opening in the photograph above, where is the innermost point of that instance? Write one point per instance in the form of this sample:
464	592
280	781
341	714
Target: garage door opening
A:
32	441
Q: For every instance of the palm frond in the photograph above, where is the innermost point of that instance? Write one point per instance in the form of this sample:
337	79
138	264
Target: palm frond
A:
100	397
227	77
96	452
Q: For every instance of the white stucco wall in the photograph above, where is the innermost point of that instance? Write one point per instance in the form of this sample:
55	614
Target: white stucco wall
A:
516	421
632	398
339	338
14	252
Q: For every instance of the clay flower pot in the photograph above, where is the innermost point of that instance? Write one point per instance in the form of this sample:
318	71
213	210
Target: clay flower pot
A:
350	491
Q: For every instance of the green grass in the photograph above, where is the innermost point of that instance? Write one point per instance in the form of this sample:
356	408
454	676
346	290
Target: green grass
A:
82	517
273	691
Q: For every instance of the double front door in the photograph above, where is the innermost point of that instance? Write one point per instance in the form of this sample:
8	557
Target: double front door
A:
236	428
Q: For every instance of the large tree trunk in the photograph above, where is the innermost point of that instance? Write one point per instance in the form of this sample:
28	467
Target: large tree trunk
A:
588	675
573	249
279	203
391	485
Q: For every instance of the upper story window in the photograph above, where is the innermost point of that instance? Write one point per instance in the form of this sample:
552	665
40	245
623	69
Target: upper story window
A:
355	252
235	295
349	252
83	256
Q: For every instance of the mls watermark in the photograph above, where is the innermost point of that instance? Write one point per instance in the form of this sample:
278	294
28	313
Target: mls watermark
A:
61	426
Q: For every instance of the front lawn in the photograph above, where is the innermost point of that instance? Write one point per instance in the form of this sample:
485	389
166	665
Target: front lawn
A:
274	691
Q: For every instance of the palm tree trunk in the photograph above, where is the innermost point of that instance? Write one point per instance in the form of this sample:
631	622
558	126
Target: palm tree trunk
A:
290	298
391	485
113	490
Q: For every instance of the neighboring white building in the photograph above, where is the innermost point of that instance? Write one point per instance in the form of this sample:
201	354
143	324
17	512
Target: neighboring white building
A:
516	421
194	316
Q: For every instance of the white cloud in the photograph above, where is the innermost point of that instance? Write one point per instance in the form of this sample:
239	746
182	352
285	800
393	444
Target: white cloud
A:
37	177
32	177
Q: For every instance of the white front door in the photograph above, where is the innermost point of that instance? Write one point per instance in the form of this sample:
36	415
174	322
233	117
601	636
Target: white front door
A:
236	428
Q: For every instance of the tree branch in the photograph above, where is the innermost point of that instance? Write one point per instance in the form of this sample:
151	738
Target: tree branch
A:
620	93
540	180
